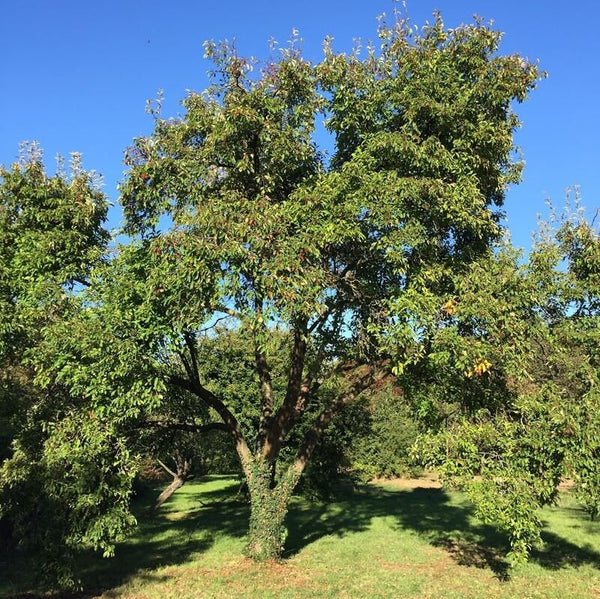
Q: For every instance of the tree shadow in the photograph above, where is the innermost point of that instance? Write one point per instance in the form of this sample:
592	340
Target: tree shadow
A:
436	518
169	537
172	535
190	525
425	511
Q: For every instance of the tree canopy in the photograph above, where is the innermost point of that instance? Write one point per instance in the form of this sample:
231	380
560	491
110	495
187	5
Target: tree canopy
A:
303	234
51	236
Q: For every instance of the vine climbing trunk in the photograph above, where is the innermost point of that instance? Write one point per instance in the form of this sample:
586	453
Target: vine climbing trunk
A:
268	507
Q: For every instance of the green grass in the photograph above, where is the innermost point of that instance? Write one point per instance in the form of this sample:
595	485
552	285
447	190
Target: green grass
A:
378	542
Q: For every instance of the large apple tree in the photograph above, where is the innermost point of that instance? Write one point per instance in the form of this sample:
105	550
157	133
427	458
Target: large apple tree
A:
318	200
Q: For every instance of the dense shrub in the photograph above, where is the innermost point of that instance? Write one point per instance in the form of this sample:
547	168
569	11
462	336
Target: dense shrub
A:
383	452
370	439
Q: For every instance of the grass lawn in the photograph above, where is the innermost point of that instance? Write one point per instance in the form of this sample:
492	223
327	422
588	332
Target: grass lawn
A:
381	541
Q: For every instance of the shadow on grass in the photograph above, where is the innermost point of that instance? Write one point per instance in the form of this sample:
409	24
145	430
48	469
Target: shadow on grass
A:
173	535
190	525
434	517
425	511
180	529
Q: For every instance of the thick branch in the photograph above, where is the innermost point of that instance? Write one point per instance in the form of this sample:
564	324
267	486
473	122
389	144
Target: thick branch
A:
308	389
334	305
82	282
228	311
183	426
266	392
281	421
190	342
167	469
264	376
177	483
230	421
365	377
186	365
321	320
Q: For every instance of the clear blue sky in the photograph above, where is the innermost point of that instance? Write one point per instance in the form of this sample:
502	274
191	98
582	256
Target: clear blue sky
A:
76	74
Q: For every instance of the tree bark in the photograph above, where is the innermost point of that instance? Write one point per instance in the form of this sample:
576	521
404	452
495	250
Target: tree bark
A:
264	375
269	502
180	476
177	483
280	422
268	508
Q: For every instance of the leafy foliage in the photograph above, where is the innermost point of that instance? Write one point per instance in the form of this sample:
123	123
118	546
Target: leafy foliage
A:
50	236
383	450
50	228
511	431
326	267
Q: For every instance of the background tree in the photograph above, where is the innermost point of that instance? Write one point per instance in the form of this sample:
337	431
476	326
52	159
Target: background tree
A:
266	229
50	236
178	451
382	449
510	382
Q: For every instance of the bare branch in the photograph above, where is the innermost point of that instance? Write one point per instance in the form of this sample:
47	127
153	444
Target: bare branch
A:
321	320
229	311
215	324
166	468
82	282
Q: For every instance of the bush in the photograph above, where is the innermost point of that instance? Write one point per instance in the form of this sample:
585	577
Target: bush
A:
370	439
384	451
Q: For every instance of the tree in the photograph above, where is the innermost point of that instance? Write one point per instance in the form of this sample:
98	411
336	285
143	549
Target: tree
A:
50	236
509	387
390	430
234	212
182	433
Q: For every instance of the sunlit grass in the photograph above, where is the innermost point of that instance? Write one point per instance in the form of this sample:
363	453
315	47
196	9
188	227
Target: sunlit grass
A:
379	541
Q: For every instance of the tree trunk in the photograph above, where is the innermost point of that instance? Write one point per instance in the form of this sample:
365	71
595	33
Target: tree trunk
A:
183	466
268	508
178	482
